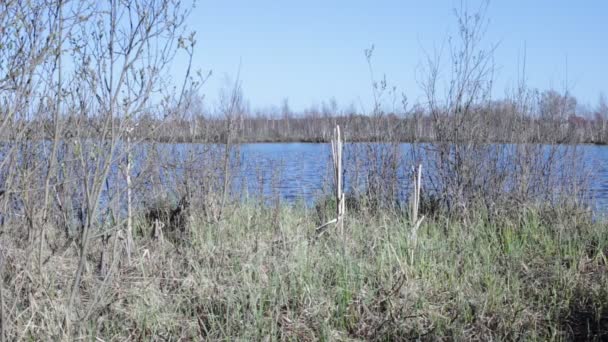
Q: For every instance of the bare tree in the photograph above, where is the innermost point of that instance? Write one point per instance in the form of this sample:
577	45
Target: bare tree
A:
121	54
601	116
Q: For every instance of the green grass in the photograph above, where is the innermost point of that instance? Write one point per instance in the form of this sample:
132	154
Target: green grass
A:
260	274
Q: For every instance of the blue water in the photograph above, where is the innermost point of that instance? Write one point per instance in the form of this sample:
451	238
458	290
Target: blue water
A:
295	172
301	171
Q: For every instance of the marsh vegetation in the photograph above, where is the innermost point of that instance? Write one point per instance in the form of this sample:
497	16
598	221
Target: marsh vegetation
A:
113	228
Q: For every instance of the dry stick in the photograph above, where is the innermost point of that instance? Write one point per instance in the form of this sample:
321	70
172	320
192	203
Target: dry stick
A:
414	214
129	213
56	137
337	158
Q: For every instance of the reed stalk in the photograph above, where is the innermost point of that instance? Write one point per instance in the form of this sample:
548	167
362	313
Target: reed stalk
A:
336	150
336	155
415	208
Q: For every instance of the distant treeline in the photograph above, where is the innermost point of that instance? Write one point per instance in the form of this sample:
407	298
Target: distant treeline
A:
550	118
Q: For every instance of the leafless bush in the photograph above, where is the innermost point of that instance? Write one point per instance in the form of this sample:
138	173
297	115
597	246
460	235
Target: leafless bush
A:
374	165
468	166
67	131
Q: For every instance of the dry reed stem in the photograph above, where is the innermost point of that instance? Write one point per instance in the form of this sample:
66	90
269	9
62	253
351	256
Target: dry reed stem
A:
415	206
336	145
129	206
336	154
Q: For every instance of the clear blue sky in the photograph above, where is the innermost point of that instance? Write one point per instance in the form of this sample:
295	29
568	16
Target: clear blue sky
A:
310	51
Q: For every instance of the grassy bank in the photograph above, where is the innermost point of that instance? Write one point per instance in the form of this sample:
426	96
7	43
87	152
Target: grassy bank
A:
261	274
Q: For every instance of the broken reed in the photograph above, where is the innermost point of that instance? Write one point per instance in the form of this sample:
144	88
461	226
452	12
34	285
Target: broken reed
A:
336	152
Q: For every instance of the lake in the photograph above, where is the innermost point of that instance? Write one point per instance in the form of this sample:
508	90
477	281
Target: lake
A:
295	172
301	171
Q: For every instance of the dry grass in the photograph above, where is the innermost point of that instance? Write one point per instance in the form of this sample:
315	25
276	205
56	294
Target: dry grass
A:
244	278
